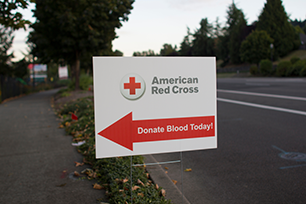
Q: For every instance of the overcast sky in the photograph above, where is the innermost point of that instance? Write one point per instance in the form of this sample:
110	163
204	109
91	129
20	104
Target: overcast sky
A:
153	23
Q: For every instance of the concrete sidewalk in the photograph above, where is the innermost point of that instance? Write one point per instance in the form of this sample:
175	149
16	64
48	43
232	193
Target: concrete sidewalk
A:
36	157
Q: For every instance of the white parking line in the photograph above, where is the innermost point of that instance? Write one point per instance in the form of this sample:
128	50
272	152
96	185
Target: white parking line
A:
262	106
261	94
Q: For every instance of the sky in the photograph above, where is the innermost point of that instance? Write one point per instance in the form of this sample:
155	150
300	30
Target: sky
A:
153	23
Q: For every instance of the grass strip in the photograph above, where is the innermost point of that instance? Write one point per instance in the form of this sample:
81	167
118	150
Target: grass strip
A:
112	174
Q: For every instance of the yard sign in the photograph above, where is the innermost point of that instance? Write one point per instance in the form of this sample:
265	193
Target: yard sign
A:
147	105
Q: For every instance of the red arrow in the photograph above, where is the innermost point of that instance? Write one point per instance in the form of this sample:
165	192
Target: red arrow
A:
125	131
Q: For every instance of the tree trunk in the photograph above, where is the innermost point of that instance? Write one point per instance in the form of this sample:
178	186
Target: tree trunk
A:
77	70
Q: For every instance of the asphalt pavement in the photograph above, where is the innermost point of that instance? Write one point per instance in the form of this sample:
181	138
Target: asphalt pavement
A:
37	159
261	154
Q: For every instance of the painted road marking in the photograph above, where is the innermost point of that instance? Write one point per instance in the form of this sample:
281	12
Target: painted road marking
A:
262	106
261	94
286	153
257	84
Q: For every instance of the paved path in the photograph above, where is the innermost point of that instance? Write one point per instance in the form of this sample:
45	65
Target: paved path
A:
34	154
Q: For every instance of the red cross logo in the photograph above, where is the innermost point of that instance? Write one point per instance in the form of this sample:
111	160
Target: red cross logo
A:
132	85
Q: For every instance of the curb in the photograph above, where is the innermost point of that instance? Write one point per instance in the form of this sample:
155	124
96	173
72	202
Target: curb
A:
159	177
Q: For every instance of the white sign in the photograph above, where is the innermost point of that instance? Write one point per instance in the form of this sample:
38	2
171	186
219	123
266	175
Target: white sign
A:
63	72
146	105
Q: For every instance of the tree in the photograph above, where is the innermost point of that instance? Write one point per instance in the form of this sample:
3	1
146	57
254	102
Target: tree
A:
20	68
186	45
203	43
256	47
235	24
274	20
6	40
231	36
76	30
145	53
168	50
9	17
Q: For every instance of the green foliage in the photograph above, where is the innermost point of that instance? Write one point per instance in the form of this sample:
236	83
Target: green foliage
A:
85	82
203	43
112	173
145	53
296	68
303	72
65	94
223	49
298	29
9	17
293	60
76	30
256	47
282	68
265	67
20	68
186	45
168	50
63	82
6	40
254	70
235	24
63	90
274	20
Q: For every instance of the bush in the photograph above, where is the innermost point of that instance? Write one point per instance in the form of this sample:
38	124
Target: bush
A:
84	82
64	82
282	68
303	72
265	67
254	70
293	60
296	68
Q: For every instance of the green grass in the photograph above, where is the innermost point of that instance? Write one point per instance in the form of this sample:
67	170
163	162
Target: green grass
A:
297	53
113	174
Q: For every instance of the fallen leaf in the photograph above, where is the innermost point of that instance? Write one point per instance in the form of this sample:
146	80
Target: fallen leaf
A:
76	173
166	168
174	181
140	182
125	180
166	172
87	171
121	190
188	170
61	126
156	186
140	194
61	185
97	186
78	164
135	188
163	192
